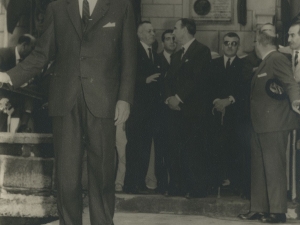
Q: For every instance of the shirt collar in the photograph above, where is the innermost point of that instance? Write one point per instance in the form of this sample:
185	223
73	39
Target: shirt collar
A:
167	56
226	59
273	50
18	57
92	4
187	45
146	47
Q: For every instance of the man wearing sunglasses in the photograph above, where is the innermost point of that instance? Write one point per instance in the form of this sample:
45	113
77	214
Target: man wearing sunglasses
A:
226	78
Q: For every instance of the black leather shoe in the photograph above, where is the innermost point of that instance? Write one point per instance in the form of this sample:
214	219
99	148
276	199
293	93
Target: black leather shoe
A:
251	216
274	218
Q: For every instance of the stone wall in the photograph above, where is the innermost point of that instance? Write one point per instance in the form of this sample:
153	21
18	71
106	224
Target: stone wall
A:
164	13
2	26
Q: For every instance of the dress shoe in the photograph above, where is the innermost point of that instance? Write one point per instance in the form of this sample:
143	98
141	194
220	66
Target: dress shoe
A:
274	218
251	216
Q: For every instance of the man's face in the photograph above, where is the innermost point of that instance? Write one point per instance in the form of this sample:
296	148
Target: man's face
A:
169	42
179	31
230	46
294	37
146	33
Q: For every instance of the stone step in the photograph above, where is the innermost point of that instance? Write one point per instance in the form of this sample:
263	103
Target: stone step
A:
227	206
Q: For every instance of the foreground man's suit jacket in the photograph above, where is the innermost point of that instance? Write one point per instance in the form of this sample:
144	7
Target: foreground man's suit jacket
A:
101	60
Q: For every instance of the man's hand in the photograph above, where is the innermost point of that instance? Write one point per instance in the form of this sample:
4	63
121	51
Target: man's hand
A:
4	78
152	78
173	103
221	104
296	106
122	112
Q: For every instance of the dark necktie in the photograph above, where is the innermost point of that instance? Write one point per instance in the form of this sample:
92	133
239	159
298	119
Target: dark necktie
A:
85	12
150	54
296	59
228	64
182	51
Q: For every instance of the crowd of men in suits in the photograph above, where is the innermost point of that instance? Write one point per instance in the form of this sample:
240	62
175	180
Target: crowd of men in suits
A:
187	106
199	113
208	117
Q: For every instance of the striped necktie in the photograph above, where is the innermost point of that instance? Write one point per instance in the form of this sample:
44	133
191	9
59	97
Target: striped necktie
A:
85	12
296	59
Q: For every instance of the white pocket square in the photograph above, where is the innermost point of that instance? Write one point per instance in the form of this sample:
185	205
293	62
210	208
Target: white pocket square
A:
110	24
186	60
262	75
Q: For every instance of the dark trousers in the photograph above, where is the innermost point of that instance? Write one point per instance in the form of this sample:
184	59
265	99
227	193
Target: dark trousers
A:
142	127
268	172
224	149
188	158
73	133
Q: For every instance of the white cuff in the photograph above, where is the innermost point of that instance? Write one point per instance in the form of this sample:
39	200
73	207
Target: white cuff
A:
217	99
231	99
179	99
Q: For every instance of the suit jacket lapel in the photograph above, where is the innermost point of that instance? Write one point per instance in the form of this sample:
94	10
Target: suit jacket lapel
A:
73	12
100	10
189	51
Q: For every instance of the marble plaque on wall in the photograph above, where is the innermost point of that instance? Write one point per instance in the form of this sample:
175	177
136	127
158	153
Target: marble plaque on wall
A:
211	10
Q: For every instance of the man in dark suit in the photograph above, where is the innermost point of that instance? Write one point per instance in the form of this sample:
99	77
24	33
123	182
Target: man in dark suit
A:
226	78
9	57
187	98
161	157
94	47
143	125
272	119
169	47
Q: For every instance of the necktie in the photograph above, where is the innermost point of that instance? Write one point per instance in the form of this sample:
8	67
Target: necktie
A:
228	64
85	12
150	54
296	59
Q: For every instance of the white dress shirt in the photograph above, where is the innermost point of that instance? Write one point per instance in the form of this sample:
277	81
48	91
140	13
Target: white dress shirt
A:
92	4
226	59
146	47
187	45
167	56
18	57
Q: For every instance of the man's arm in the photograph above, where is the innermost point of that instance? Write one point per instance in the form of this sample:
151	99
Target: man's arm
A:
39	57
128	60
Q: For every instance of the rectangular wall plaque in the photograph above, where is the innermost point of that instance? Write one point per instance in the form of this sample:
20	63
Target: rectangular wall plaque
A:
220	11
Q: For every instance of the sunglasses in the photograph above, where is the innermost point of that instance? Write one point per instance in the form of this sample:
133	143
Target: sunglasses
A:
232	43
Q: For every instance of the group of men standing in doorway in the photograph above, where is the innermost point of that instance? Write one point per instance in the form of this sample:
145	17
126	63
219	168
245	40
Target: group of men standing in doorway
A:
205	116
96	55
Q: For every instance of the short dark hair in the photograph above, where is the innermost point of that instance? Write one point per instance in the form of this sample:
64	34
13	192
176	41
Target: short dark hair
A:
231	34
189	24
265	38
169	31
25	38
296	23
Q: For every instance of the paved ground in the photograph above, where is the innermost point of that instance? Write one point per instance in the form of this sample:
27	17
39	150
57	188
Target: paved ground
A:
169	219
